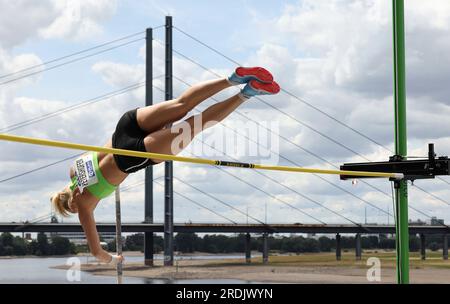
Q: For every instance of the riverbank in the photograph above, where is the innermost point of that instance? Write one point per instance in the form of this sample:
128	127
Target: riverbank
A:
125	253
319	268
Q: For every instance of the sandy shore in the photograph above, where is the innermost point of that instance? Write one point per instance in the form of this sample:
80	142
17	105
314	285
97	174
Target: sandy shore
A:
310	268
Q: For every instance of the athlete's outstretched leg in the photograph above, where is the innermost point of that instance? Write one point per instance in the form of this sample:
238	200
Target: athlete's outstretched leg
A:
173	140
153	118
157	116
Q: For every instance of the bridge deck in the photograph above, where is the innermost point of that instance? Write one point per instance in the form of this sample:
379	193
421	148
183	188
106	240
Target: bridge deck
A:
223	228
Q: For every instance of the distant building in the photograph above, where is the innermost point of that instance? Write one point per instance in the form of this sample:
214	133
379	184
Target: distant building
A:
417	222
436	222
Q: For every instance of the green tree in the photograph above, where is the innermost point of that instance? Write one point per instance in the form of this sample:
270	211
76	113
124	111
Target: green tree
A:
310	245
20	246
414	243
111	246
43	247
187	242
369	242
33	247
7	239
209	245
348	242
386	243
158	242
8	250
434	246
60	246
239	242
135	242
292	244
326	244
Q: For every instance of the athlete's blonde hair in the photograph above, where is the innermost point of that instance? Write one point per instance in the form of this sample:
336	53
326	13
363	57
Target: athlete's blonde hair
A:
61	200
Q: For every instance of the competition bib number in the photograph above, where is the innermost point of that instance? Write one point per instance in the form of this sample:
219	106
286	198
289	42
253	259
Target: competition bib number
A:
85	171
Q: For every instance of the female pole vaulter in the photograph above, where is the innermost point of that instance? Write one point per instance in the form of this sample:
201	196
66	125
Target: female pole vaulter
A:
96	175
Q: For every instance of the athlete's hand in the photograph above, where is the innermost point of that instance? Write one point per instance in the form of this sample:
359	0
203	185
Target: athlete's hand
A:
116	259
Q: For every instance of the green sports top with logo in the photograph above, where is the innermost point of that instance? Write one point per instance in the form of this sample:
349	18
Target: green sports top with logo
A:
88	176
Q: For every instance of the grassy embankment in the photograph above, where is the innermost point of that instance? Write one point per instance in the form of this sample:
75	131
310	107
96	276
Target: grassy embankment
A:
387	258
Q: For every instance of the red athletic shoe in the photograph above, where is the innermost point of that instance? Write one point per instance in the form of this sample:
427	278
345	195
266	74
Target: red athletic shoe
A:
244	75
259	88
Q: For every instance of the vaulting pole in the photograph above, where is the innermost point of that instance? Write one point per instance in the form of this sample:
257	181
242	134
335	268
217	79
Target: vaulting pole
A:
401	187
118	235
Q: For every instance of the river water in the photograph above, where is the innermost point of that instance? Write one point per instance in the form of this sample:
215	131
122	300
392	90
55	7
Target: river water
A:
39	271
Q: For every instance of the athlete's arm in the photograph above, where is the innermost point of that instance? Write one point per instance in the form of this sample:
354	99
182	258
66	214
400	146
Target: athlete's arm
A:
87	221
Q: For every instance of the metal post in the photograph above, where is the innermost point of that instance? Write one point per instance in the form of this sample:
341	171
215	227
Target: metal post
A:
265	253
423	247
168	174
445	247
401	188
358	248
118	235
148	211
338	247
248	249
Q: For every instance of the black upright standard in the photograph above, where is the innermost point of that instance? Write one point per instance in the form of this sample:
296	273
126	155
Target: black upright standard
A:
148	210
168	176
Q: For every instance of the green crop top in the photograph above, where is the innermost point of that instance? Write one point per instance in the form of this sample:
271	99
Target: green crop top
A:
102	188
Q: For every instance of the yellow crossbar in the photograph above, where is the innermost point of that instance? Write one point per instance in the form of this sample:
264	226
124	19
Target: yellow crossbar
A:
166	157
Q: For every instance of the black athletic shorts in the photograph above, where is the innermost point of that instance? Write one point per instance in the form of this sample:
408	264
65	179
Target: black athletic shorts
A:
129	136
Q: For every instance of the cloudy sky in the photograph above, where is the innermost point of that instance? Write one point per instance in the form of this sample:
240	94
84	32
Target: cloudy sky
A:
332	58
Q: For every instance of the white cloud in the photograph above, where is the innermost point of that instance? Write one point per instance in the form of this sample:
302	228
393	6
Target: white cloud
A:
79	19
21	19
119	74
70	19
